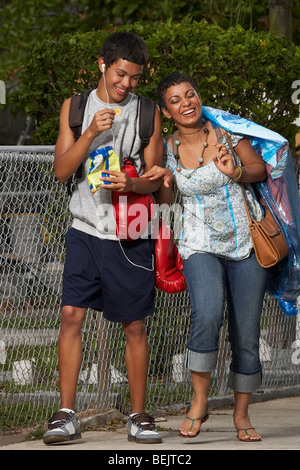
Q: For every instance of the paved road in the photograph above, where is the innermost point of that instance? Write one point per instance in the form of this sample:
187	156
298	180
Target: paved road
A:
278	421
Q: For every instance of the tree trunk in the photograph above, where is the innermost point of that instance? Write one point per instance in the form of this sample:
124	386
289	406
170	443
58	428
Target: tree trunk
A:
280	17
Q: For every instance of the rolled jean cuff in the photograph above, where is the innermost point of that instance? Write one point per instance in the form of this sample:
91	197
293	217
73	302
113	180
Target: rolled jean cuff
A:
201	362
244	383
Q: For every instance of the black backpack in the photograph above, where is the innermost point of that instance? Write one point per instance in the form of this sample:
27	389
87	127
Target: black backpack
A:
147	109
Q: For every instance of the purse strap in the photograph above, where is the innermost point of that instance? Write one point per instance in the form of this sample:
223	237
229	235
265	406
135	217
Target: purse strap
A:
219	135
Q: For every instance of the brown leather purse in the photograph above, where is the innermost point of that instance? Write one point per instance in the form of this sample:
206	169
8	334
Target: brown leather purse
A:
268	240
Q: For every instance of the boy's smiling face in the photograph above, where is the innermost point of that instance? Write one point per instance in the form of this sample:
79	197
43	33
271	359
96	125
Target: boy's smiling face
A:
118	80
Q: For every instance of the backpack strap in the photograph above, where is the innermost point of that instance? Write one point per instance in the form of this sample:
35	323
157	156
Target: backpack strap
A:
77	108
76	113
146	123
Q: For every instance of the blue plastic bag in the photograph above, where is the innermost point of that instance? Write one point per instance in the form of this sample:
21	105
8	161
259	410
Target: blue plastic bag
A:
281	193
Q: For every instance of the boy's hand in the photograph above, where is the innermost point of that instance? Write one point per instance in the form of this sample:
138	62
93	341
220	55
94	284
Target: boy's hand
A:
102	121
120	181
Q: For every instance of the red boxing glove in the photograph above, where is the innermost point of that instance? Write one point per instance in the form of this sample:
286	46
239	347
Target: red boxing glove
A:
132	211
168	262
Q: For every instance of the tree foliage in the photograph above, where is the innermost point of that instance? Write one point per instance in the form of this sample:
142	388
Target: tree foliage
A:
243	72
23	24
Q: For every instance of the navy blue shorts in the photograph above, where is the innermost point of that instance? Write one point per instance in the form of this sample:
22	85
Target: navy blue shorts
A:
114	277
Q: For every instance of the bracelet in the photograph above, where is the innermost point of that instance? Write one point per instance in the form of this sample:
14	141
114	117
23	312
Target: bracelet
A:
241	176
238	178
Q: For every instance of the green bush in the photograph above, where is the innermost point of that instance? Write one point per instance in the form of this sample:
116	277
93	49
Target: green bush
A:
243	72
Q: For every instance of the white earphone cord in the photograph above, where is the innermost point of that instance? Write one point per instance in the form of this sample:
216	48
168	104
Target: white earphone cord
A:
136	265
107	98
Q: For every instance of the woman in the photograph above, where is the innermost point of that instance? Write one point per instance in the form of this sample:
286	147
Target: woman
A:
216	248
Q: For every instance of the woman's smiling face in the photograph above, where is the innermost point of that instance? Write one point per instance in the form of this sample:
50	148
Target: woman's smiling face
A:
183	104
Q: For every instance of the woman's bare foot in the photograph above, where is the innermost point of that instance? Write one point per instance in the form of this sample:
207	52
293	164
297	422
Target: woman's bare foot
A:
245	432
192	424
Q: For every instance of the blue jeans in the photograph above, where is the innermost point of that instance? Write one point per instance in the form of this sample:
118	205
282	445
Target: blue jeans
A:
209	278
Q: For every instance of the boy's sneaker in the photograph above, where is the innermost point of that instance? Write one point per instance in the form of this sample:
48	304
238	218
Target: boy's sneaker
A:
141	428
62	427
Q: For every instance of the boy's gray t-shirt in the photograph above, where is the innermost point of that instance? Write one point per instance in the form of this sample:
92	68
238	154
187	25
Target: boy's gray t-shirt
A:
92	213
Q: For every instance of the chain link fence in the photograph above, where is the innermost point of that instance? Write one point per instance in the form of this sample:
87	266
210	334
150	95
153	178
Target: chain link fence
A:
34	218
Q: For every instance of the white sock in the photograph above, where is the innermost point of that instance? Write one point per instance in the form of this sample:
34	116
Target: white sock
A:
67	410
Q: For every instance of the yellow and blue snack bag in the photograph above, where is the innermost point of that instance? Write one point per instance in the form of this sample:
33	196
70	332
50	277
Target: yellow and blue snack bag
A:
101	160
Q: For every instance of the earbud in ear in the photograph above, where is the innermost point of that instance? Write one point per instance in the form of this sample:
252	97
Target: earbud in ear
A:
103	67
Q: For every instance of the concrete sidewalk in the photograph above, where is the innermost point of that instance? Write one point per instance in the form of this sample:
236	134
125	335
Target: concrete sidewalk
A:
278	422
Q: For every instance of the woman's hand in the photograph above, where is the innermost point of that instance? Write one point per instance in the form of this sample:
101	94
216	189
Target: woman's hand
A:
224	162
158	172
253	164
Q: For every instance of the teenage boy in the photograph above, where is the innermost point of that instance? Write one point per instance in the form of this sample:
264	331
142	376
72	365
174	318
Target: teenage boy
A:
100	271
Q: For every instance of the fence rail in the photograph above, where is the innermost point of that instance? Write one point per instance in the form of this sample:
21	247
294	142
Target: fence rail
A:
34	218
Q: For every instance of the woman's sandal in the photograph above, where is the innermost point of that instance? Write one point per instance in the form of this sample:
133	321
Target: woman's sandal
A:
203	419
248	438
